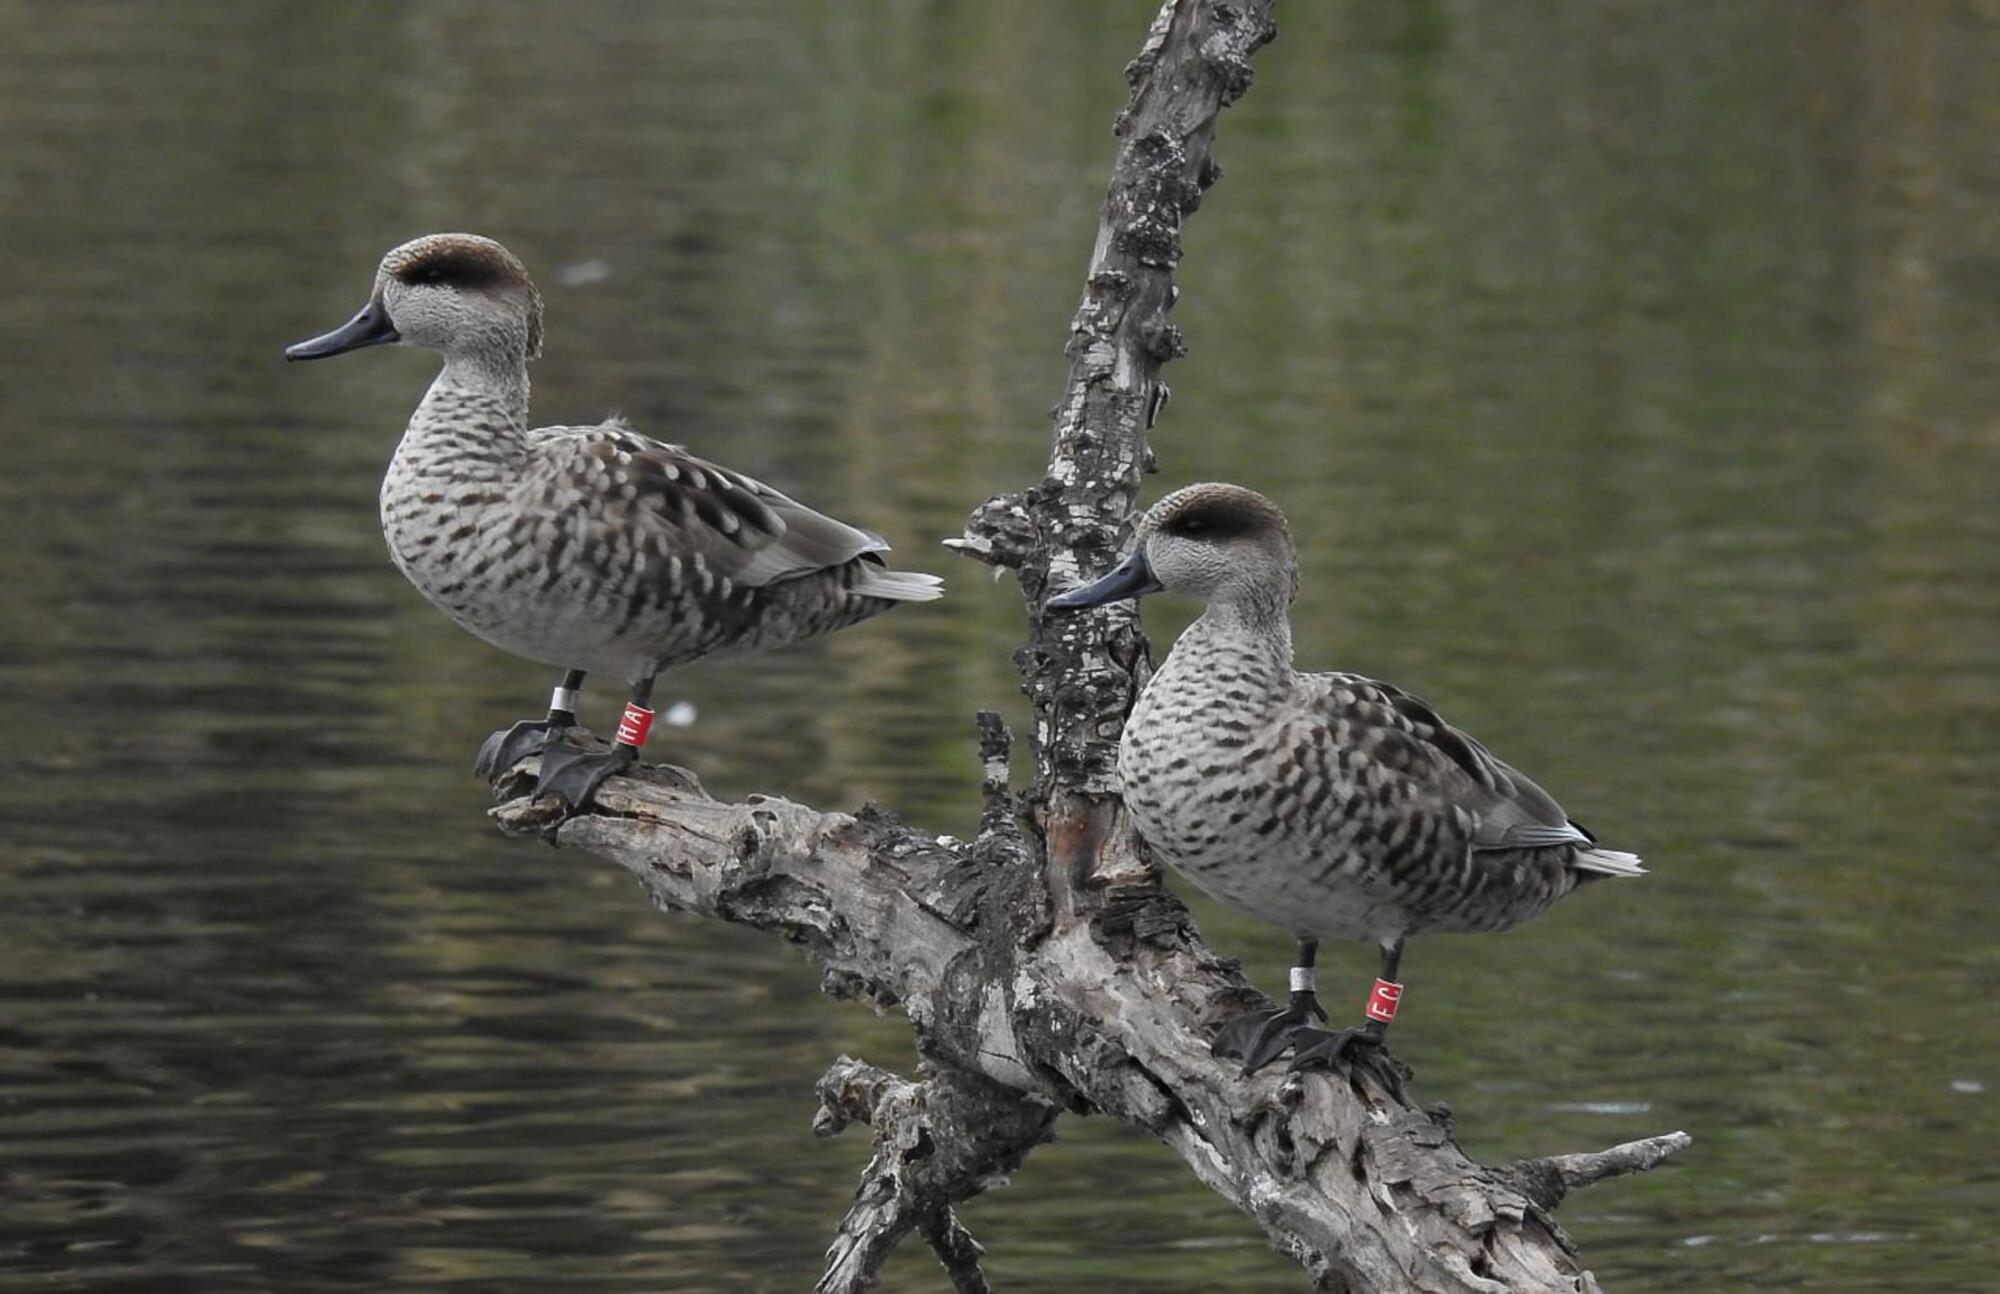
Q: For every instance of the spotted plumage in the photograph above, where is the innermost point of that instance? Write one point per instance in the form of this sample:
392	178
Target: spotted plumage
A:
595	549
1331	805
603	550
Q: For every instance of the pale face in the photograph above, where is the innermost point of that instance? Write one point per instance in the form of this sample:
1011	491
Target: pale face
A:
1213	541
460	292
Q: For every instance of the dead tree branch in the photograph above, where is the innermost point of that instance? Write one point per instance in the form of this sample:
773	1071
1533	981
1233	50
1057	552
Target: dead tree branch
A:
1110	1015
1045	969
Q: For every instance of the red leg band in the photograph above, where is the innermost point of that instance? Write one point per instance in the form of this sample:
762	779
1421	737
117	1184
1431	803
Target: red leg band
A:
1383	999
636	723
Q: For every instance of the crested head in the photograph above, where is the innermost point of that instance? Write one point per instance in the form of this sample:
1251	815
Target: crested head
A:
455	292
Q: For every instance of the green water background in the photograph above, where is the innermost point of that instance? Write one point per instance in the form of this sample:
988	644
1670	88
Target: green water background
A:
1627	369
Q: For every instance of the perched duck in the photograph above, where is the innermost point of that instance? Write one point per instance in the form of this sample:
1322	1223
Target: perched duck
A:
593	549
1331	805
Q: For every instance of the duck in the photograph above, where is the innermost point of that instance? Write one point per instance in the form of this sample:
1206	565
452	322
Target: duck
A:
1330	805
591	549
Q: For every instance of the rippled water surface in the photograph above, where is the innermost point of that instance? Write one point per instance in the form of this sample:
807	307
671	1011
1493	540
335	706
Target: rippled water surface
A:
1629	372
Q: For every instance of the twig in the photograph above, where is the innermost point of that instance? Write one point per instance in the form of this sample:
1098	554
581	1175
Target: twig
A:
1547	1181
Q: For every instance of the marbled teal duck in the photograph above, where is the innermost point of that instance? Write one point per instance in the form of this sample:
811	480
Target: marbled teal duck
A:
593	549
1331	805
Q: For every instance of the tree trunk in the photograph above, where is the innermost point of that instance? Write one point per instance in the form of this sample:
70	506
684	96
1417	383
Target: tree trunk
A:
1042	967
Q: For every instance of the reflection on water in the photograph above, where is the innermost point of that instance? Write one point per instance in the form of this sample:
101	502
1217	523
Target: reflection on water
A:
1626	371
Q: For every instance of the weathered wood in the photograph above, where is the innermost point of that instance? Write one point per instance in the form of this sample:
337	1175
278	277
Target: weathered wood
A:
937	1142
1045	969
1110	1015
1083	672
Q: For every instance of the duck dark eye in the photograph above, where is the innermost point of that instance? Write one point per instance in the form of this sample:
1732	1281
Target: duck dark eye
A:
1194	526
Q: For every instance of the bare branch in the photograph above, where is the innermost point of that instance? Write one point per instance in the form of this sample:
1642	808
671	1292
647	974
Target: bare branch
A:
1082	672
957	1250
1547	1181
1109	1015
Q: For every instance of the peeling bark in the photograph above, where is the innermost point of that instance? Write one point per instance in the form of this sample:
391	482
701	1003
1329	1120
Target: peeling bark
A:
1022	1017
937	1142
1043	968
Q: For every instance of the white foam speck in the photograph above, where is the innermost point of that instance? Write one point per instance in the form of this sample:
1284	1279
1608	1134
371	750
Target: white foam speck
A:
584	273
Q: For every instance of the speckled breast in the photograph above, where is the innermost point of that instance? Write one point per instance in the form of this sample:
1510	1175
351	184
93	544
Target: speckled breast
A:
522	580
1201	761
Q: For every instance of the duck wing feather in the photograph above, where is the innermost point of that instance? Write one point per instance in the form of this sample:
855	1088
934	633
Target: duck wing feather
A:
669	500
1446	767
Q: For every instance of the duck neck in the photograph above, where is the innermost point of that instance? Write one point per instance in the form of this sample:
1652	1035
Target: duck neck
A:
1252	634
479	402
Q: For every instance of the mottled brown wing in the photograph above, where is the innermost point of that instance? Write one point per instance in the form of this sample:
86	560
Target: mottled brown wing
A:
666	499
1436	761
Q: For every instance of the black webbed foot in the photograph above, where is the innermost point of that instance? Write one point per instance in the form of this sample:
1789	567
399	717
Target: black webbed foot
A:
1349	1049
503	750
1259	1039
576	774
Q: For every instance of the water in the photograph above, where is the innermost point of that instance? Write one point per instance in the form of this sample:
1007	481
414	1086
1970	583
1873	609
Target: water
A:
1627	371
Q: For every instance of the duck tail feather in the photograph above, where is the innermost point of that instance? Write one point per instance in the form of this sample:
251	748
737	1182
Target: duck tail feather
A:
1609	862
899	586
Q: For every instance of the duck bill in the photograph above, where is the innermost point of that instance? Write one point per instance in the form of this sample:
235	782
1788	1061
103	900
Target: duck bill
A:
1131	578
371	327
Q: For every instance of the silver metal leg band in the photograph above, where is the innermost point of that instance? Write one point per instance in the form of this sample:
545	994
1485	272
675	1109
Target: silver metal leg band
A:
1304	980
563	698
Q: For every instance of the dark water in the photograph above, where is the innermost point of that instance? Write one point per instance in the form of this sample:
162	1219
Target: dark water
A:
1629	371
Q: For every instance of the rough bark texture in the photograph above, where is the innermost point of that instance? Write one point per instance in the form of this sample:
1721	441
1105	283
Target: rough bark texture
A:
1022	1017
1083	672
936	1142
1042	967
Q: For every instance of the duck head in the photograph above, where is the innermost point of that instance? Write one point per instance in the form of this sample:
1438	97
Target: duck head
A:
458	294
1220	543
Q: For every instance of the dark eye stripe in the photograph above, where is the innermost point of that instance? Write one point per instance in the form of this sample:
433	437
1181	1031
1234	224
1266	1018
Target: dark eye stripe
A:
457	268
1215	521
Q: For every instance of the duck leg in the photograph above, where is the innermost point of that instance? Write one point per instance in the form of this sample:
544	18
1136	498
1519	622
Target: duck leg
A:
503	750
576	774
1259	1039
1362	1045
